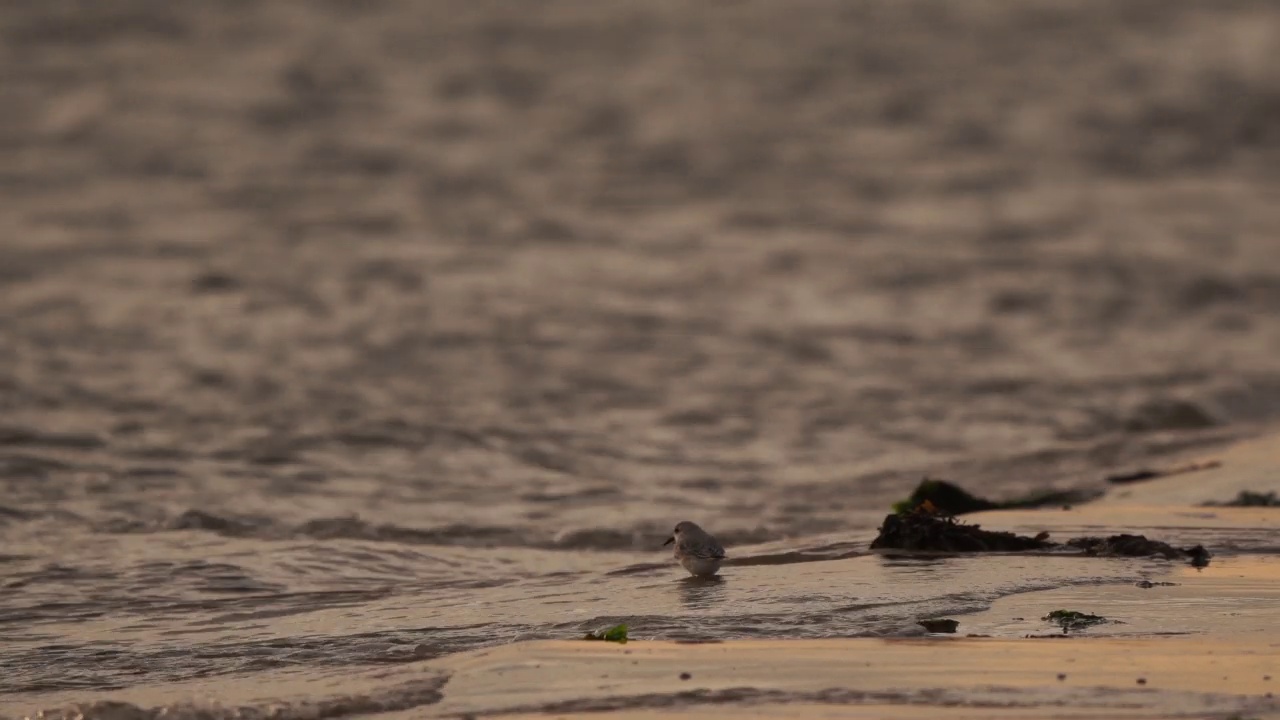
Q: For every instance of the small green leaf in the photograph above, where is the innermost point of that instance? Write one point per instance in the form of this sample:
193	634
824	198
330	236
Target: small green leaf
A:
617	633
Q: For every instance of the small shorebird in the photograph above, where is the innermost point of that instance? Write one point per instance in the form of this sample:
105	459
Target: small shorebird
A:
696	550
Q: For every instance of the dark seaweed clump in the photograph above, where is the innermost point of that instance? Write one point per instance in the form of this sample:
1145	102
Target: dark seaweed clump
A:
940	625
1070	620
922	531
1138	546
925	531
947	497
952	499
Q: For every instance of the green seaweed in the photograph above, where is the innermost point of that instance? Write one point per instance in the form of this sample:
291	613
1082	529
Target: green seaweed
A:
1070	620
617	633
948	497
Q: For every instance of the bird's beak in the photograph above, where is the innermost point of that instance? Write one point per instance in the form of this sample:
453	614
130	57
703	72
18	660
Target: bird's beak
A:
669	541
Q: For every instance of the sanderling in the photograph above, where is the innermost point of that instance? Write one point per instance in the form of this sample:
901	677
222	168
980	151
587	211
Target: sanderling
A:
696	550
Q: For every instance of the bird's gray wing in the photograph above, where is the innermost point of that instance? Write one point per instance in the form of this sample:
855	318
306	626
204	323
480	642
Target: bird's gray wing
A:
709	550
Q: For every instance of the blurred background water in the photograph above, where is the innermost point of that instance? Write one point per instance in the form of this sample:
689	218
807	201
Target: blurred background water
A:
337	333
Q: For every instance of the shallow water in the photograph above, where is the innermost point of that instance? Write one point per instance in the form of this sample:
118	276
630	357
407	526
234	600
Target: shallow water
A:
313	637
340	334
138	612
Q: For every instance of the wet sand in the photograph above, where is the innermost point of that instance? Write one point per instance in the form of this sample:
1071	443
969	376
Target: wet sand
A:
1202	645
1180	641
1181	677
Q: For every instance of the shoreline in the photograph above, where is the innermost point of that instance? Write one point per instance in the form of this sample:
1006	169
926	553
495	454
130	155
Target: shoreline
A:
1192	643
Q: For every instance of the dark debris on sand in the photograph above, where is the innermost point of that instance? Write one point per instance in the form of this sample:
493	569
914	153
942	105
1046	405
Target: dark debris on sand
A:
925	530
1073	620
939	625
1138	546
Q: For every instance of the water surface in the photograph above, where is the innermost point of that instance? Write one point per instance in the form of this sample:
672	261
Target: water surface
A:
342	334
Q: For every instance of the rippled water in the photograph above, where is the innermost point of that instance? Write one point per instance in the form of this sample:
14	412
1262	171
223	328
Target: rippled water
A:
336	334
198	608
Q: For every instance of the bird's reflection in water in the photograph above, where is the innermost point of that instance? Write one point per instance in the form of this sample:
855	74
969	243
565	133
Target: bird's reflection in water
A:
697	593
